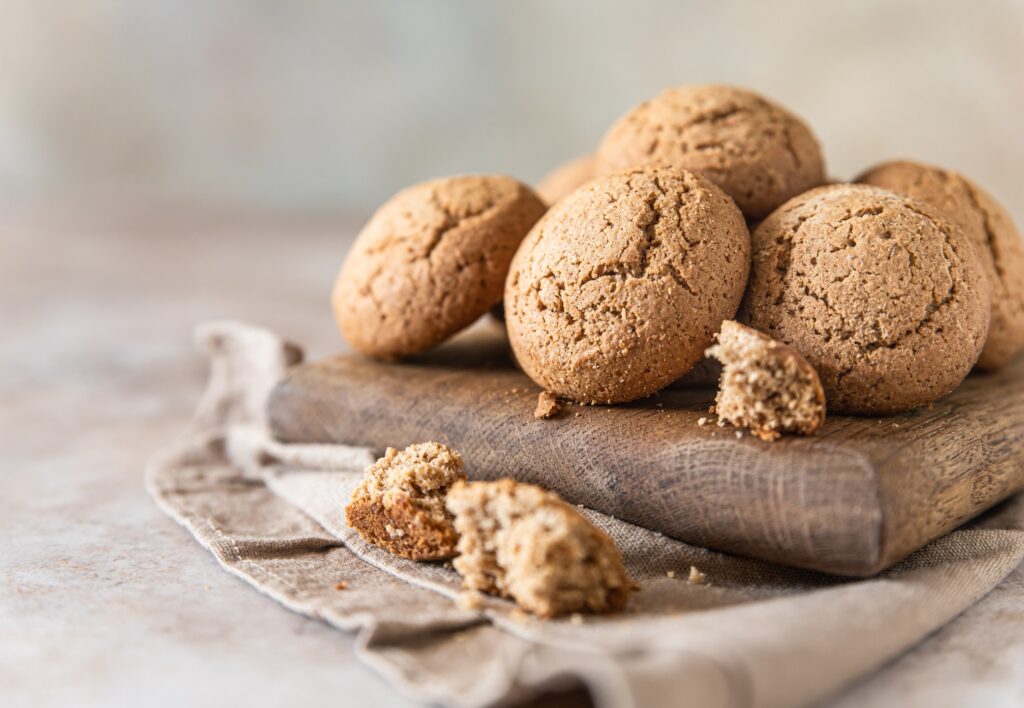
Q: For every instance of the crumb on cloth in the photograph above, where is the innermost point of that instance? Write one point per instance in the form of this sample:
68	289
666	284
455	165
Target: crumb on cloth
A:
469	600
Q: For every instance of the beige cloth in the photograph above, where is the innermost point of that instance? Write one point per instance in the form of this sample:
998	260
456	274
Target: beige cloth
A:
754	635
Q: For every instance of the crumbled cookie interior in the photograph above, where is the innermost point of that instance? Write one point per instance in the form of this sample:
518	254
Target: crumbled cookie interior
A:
766	386
400	503
519	541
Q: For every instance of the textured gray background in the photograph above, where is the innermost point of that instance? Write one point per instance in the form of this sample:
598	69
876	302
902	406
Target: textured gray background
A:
336	105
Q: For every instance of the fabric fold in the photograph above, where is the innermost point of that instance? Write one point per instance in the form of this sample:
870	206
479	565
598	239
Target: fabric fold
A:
754	635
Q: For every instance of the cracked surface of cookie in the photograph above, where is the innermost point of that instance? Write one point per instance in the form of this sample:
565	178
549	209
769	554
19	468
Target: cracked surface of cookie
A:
430	262
400	503
766	386
881	293
757	151
618	290
996	241
566	178
519	541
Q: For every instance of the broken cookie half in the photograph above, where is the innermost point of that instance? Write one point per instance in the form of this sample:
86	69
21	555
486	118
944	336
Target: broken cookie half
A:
400	504
522	542
766	386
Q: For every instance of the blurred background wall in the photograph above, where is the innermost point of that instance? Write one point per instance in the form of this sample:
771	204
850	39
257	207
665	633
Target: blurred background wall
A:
336	104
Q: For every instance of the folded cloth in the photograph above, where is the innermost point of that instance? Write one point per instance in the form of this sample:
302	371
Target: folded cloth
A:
750	634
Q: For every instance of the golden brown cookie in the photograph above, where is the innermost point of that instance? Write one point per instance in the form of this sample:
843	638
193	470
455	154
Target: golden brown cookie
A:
430	262
757	151
993	234
766	386
566	178
881	293
400	503
618	290
520	541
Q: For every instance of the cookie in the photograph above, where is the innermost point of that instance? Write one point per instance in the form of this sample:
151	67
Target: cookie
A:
519	541
881	293
618	290
400	503
430	262
757	151
766	386
566	178
996	241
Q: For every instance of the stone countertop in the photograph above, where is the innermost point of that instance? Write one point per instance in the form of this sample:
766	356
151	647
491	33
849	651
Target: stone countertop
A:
103	599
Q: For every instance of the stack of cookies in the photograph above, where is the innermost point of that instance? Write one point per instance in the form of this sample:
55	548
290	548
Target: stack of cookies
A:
703	205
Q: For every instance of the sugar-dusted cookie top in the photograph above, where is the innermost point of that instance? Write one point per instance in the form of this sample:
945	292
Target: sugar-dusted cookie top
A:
431	261
881	293
757	151
996	241
618	290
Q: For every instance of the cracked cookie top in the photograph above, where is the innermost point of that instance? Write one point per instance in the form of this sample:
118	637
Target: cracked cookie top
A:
757	151
991	231
618	290
881	293
430	262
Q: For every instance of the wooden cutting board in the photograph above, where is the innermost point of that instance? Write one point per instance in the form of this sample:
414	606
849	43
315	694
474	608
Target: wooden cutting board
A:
853	500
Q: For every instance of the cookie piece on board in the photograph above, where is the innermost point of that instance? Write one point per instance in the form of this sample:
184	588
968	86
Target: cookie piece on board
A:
618	290
757	151
766	387
519	541
566	178
400	503
430	262
881	293
996	241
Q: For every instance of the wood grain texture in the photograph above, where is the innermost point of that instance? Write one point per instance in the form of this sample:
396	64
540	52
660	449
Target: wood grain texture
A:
853	500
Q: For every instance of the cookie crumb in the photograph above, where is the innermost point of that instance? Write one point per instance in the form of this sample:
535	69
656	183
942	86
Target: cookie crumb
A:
576	618
547	406
702	421
670	573
697	577
469	600
343	585
517	615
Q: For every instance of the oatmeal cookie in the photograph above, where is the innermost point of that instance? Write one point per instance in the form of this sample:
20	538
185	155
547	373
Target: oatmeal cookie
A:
618	290
755	150
400	504
519	541
430	262
996	241
766	386
881	293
